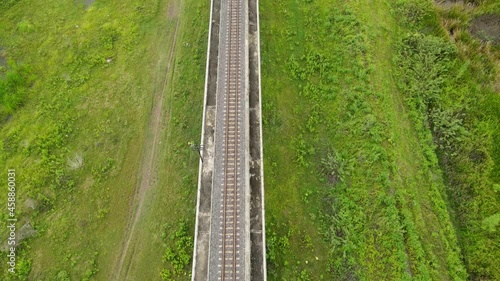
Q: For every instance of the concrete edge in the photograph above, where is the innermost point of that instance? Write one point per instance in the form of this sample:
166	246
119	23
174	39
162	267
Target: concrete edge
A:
247	147
261	147
219	57
200	167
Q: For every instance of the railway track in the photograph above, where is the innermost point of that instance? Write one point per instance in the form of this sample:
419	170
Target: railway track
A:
230	245
229	235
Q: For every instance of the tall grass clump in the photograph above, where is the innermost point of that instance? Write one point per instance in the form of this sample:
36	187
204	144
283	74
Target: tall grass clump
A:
14	84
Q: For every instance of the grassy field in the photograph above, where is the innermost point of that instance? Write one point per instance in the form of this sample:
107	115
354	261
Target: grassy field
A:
75	119
381	138
472	162
362	104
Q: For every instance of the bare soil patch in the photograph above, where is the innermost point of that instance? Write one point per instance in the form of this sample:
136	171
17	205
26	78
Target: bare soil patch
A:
3	60
486	28
172	11
88	3
450	4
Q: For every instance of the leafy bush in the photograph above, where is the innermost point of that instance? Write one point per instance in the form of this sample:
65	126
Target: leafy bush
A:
23	268
177	257
25	26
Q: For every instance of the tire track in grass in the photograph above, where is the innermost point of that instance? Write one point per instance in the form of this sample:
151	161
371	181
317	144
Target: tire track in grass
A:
148	160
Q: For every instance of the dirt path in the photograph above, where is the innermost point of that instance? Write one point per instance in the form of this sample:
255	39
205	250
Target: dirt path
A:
149	159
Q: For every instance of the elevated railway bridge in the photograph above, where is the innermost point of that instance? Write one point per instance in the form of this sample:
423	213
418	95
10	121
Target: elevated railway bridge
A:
230	234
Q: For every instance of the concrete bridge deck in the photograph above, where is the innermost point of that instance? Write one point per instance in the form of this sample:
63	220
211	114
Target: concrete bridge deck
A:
229	235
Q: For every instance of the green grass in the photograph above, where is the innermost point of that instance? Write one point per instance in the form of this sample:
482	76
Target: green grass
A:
95	72
380	138
472	162
363	167
173	201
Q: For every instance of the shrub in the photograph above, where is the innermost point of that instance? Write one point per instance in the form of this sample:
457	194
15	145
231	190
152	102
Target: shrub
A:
177	255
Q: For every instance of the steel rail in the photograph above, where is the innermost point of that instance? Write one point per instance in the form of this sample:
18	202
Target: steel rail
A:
234	21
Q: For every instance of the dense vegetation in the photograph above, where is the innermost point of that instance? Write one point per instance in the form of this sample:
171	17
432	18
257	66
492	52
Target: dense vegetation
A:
472	163
178	257
381	128
458	118
393	165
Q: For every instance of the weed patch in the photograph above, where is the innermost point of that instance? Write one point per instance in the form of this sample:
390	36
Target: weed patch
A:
447	105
